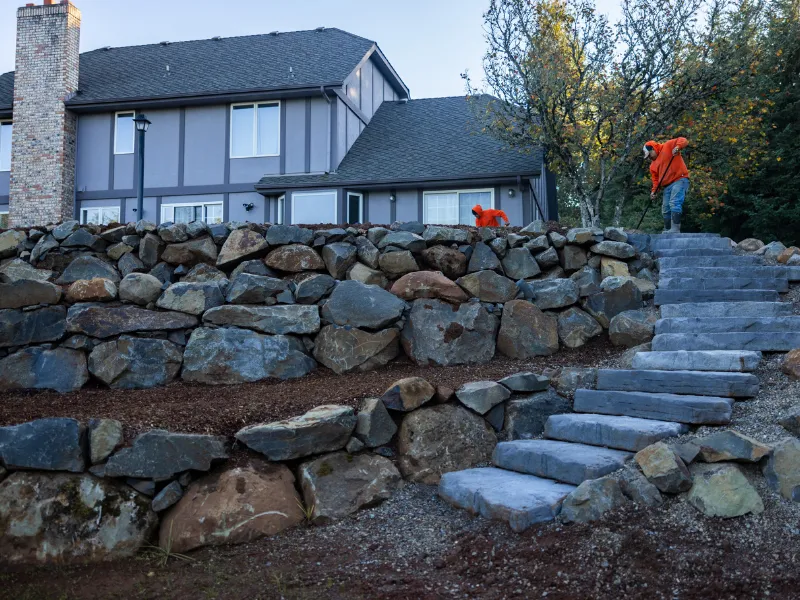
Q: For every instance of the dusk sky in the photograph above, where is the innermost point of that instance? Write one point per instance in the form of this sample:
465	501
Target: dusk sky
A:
429	42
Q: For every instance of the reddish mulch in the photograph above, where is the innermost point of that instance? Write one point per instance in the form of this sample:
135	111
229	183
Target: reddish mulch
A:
223	410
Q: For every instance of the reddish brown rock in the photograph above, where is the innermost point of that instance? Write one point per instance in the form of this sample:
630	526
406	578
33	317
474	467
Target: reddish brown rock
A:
791	364
526	331
407	394
784	256
451	262
295	258
92	290
428	284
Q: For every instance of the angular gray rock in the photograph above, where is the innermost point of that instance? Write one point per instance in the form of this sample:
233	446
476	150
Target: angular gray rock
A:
65	229
572	379
631	328
104	322
161	455
615	234
450	261
19	270
526	331
61	369
88	267
636	487
254	289
375	426
576	327
617	295
135	363
241	245
591	500
131	264
664	469
42	247
344	349
726	385
297	319
312	288
572	258
730	445
150	249
367	276
538	244
526	416
398	263
11	242
619	250
488	286
588	281
173	233
404	240
554	293
139	288
482	396
202	250
365	306
520	264
54	444
581	235
167	497
281	235
791	421
408	394
693	410
547	259
191	298
28	292
525	382
105	435
228	356
339	257
435	234
723	491
782	469
322	429
483	259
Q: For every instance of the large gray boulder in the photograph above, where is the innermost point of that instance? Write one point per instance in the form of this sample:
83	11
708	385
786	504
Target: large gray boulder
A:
88	267
322	429
295	258
526	416
366	306
191	298
241	245
572	258
588	281
17	270
526	331
60	519
525	382
295	318
488	286
134	363
313	287
104	322
54	444
22	327
554	293
28	292
520	264
161	455
344	349
636	487
617	295
61	369
254	289
131	264
435	234
65	229
440	439
398	263
450	261
282	235
730	445
42	247
228	356
339	257
547	259
11	242
620	250
404	240
782	469
139	288
632	328
591	500
443	334
483	259
202	250
150	250
723	491
482	396
791	421
172	233
576	327
339	484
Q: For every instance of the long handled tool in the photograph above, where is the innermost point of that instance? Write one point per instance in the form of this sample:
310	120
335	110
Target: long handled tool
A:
649	204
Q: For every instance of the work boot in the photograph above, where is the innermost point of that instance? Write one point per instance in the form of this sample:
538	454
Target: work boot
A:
667	223
676	223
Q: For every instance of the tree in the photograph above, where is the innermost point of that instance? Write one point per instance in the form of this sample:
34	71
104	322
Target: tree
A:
591	94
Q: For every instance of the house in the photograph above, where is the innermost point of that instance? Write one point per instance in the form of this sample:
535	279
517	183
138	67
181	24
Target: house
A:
299	127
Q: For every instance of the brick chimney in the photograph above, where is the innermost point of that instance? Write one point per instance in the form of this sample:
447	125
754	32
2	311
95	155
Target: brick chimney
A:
43	144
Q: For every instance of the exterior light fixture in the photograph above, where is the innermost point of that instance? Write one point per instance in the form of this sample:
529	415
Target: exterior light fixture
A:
142	124
511	192
248	206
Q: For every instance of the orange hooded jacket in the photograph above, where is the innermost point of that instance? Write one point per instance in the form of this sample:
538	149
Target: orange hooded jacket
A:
488	217
658	168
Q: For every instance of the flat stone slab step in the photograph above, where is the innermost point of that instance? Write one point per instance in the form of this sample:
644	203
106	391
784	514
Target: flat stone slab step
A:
723	283
716	243
622	433
746	271
711	252
694	410
699	360
562	461
709	262
520	500
696	383
680	296
766	341
728	324
674	236
726	309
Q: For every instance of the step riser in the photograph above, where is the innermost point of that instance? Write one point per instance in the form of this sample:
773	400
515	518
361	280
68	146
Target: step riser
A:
622	433
726	309
678	236
707	252
728	325
720	385
709	262
758	342
691	243
746	272
723	283
721	361
681	296
693	410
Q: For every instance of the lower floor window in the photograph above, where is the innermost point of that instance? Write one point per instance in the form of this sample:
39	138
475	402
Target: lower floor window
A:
314	207
101	215
4	220
454	208
355	208
211	213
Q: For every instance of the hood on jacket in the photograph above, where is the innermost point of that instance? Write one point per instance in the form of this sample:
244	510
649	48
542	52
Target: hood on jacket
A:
654	145
477	209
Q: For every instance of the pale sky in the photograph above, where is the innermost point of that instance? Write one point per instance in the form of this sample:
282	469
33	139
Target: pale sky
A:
429	42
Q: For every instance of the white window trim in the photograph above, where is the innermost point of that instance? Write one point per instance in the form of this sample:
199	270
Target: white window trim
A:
280	209
133	133
360	206
113	207
255	128
7	122
325	193
463	191
175	205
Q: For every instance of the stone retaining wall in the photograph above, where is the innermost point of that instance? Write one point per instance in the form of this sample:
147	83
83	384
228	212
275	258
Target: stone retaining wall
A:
137	305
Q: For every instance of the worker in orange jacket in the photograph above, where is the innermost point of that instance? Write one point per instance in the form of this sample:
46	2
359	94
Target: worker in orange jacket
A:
668	170
488	217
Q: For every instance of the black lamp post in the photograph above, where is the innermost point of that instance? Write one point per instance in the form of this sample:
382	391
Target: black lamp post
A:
142	124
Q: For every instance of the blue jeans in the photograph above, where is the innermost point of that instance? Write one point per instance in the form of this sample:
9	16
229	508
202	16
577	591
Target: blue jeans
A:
674	195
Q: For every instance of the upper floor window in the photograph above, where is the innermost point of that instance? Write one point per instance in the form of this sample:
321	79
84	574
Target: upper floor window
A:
124	130
5	146
255	129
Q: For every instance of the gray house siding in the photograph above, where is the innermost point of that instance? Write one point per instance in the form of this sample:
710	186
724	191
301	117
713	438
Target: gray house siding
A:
379	207
162	144
295	136
367	88
407	205
123	170
237	211
5	179
319	135
93	156
205	152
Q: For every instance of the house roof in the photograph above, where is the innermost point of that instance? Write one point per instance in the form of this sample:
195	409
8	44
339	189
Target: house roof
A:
230	65
421	140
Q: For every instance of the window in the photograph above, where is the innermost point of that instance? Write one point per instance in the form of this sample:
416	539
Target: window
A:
314	207
3	219
124	130
280	209
355	208
454	208
210	212
100	215
255	129
5	146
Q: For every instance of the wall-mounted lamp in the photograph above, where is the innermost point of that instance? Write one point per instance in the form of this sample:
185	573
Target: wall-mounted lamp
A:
511	192
248	206
392	198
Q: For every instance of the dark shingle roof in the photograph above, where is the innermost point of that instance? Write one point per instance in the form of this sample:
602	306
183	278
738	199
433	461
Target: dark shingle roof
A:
204	67
419	140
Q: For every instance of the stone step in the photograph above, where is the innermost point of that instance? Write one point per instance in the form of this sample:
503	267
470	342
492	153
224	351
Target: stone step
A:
793	273
707	252
746	271
726	309
708	262
699	360
694	410
716	243
727	324
562	461
622	433
680	296
675	236
767	341
723	283
520	500
695	383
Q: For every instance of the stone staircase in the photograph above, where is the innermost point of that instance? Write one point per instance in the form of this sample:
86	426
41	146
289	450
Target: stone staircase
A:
719	311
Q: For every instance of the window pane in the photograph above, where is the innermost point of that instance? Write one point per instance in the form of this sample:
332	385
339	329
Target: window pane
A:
308	209
214	213
124	136
469	199
441	209
184	214
3	220
242	130
5	146
353	208
268	126
109	215
91	216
